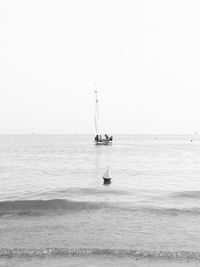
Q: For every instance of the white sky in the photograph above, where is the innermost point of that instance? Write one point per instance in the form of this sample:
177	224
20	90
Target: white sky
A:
143	55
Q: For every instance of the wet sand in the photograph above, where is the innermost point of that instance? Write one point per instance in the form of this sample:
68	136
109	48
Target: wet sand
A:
94	261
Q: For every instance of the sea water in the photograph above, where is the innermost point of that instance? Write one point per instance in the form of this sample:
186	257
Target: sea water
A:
52	196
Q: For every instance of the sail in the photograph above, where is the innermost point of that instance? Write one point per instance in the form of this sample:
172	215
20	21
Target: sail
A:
96	119
107	174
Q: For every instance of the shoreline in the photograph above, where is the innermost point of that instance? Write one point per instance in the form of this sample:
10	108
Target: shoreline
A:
94	261
88	252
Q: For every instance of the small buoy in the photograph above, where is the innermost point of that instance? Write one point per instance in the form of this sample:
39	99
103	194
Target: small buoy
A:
107	177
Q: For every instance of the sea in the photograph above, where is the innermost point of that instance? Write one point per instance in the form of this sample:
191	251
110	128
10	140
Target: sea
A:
56	211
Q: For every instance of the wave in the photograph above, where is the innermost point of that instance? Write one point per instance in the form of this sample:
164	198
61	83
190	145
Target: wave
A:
64	252
40	207
63	206
192	194
188	194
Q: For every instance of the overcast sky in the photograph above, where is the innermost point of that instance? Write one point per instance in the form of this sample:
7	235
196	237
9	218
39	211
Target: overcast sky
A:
143	55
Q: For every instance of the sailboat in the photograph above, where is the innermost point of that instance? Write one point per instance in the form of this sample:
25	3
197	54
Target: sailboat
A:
98	138
107	177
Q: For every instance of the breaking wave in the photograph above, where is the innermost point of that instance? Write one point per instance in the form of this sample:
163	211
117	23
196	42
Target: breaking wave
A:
64	252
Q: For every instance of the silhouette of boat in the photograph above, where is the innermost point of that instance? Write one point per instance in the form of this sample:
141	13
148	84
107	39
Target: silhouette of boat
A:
107	141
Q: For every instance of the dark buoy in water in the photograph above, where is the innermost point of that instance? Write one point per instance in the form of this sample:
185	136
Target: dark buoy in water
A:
107	177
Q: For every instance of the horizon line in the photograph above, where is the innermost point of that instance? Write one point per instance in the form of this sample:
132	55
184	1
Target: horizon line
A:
114	134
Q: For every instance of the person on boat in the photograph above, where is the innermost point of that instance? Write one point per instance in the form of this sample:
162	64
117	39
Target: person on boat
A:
96	138
110	139
106	136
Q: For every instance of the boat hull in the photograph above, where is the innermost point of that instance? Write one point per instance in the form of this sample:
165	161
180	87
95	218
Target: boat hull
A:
103	143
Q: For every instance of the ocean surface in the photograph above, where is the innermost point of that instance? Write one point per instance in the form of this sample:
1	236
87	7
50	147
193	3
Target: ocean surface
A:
52	196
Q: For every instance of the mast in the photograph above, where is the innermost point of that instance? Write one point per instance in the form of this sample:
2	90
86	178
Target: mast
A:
96	119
